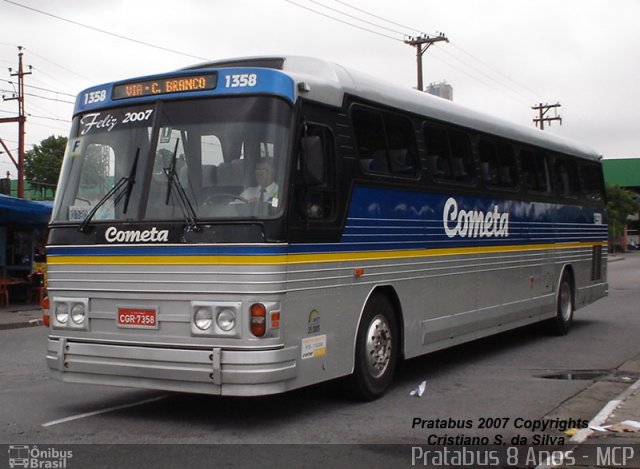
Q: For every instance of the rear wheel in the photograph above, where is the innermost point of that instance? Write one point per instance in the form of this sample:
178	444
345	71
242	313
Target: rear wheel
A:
376	349
561	323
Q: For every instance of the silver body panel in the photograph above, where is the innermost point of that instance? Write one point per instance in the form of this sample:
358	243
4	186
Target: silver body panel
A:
494	292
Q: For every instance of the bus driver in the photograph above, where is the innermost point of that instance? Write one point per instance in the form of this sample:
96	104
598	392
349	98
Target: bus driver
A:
267	188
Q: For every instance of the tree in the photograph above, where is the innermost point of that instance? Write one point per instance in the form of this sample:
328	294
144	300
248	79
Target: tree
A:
43	162
620	204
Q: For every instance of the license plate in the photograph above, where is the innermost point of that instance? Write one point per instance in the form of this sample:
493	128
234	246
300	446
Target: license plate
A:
138	318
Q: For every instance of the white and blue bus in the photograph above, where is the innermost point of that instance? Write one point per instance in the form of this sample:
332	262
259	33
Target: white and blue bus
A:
252	226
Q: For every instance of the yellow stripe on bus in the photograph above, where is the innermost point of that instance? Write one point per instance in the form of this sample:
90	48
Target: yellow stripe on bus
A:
304	258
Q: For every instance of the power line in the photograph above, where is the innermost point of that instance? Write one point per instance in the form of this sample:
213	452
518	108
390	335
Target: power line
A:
41	97
49	118
381	18
73	72
458	59
495	70
490	84
103	31
492	81
339	21
40	88
356	18
50	99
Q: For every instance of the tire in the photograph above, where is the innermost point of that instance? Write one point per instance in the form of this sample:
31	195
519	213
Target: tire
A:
561	323
376	351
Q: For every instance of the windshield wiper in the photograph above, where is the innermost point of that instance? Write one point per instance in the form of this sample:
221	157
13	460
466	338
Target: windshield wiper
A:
173	183
126	182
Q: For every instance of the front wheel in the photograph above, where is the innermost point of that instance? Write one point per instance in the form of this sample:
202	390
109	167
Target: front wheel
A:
376	349
561	323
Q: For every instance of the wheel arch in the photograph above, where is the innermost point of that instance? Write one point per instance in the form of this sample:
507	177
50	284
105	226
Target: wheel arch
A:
567	269
390	292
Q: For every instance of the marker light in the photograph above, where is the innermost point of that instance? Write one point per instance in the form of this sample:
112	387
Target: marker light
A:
258	314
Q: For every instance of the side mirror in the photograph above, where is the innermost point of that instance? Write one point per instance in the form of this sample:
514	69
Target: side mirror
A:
313	161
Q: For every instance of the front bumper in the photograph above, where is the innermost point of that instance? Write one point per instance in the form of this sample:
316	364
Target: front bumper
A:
201	370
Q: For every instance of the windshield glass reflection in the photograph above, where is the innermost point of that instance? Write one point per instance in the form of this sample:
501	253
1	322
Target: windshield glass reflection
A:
199	159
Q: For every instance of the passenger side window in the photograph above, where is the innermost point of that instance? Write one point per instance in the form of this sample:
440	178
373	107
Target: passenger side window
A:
498	164
385	142
535	171
591	175
508	169
449	155
402	147
438	152
489	164
567	177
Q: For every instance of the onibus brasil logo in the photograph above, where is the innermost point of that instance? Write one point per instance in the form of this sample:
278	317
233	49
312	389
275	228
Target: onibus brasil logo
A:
33	457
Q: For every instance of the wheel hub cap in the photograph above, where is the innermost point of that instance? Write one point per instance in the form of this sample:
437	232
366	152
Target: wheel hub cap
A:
379	343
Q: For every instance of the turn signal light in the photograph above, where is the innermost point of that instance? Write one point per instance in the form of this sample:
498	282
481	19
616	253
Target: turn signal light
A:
275	320
44	304
46	320
258	314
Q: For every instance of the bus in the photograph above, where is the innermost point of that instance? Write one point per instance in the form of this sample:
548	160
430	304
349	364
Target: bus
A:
255	225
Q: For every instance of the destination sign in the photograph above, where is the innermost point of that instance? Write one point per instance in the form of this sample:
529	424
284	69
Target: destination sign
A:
180	84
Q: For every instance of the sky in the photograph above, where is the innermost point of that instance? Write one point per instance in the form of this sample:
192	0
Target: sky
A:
502	58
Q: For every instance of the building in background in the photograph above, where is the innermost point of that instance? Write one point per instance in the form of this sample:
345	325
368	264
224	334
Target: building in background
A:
625	173
9	186
442	89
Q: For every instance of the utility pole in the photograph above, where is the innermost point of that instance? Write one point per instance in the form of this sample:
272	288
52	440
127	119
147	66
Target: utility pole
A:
542	112
422	43
21	120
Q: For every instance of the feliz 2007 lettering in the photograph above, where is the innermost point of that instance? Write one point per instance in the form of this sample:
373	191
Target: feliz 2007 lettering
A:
96	121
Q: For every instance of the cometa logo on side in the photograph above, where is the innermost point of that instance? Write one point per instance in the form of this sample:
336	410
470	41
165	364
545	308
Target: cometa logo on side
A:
474	223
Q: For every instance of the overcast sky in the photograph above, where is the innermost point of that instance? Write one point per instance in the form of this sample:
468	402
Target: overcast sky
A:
504	56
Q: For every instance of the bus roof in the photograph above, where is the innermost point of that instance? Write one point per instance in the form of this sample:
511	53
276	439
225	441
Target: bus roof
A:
328	83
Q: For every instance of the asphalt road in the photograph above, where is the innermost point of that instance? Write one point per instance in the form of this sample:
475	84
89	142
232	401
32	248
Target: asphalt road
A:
495	382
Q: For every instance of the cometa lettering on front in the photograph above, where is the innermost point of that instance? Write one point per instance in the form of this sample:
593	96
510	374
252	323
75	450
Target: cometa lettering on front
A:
474	223
113	235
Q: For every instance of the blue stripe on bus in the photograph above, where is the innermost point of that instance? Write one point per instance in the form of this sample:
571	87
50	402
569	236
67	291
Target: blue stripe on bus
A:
395	220
397	216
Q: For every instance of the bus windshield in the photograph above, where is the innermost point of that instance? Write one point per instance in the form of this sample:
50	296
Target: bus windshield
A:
178	160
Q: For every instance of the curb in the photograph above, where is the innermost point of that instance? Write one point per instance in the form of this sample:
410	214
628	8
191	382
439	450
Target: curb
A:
20	325
604	413
600	418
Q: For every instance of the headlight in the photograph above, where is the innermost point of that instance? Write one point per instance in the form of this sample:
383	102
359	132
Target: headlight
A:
203	318
216	319
226	320
78	313
62	313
